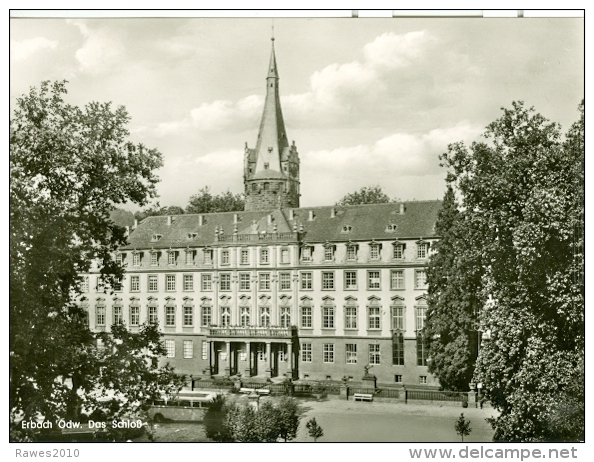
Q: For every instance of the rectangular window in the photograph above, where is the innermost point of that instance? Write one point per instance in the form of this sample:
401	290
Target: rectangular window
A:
120	259
306	355
261	352
422	379
244	281
172	258
245	256
153	317
100	316
421	352
206	280
285	316
208	256
306	317
188	316
306	253
225	282
285	281
134	315
170	282
245	316
328	352
398	252
329	253
351	252
188	349
374	252
328	317
264	256
118	317
398	317
306	281
265	316
373	280
100	285
374	317
206	316
136	257
264	279
420	316
189	257
351	353
153	283
134	283
350	321
188	282
397	279
398	378
204	349
170	316
225	316
420	279
398	350
284	255
154	258
350	279
224	257
117	285
84	284
170	347
422	249
328	280
374	353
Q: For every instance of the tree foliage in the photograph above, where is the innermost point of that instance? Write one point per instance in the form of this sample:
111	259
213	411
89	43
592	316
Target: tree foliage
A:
205	202
454	278
69	169
157	210
228	421
462	426
522	202
366	195
313	429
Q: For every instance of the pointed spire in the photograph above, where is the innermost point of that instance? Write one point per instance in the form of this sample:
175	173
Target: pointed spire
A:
272	71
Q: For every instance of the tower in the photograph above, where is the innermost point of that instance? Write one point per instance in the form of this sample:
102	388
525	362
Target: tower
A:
271	170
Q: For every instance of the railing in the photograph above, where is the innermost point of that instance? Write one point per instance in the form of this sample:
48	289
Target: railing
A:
205	383
276	332
435	395
258	237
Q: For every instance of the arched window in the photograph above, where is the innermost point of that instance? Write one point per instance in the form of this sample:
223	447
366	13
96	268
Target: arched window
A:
264	312
134	312
350	313
306	312
328	311
100	313
153	311
170	309
374	313
206	312
188	308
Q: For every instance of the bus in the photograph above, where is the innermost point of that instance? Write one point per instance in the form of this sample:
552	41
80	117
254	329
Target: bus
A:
189	408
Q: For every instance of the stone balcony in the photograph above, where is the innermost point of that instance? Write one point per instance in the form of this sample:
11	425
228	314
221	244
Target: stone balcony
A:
251	332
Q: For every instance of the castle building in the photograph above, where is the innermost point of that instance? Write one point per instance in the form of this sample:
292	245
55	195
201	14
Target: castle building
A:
277	290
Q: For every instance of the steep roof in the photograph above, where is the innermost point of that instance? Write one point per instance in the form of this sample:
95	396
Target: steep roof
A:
362	222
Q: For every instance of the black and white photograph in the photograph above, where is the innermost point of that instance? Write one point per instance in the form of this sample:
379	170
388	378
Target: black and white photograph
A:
302	228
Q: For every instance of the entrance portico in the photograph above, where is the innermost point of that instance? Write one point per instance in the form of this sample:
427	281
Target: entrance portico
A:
251	351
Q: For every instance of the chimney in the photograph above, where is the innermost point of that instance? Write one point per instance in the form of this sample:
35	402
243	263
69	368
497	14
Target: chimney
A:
168	220
311	215
332	212
269	219
294	227
401	209
127	231
291	214
135	223
235	218
200	220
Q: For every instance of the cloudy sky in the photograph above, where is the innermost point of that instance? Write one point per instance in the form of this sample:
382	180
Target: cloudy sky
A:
367	101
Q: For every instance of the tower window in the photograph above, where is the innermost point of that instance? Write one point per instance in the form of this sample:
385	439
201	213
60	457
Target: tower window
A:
266	165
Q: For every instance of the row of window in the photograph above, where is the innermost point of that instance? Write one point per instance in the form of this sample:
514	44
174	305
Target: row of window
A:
328	316
373	356
188	349
245	281
307	253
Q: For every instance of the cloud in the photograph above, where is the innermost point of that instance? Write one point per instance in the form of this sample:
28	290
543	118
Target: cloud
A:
22	49
100	52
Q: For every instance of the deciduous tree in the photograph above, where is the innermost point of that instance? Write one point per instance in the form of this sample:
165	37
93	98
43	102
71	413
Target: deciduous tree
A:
366	195
205	202
521	190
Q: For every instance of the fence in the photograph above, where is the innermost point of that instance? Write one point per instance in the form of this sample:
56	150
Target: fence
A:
435	395
216	384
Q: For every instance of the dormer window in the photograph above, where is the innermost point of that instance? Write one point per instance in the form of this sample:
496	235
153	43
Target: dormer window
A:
192	236
208	256
391	228
156	237
172	257
154	258
189	257
422	249
136	258
306	253
374	251
346	229
351	252
328	252
398	250
120	258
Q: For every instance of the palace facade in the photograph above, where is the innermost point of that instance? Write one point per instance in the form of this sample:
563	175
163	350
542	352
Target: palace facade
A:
278	290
